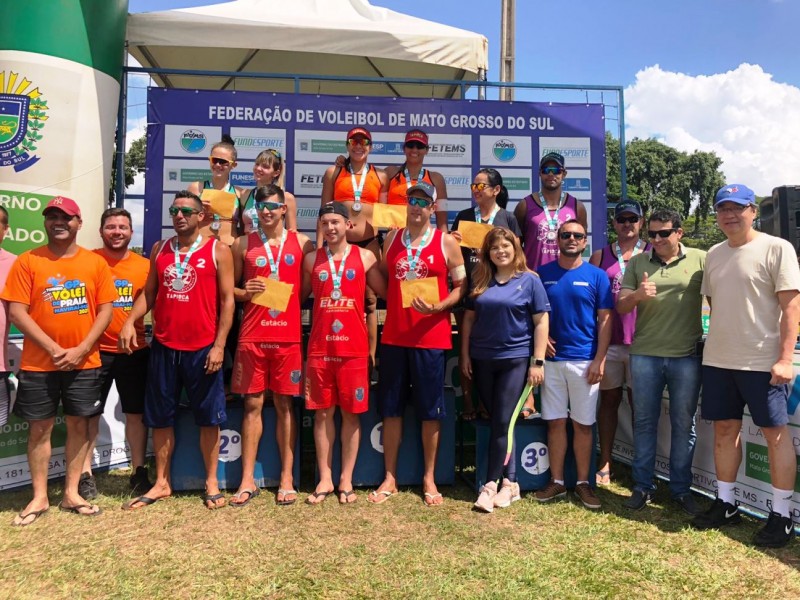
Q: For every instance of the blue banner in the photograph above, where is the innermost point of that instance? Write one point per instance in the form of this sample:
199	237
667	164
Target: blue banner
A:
309	131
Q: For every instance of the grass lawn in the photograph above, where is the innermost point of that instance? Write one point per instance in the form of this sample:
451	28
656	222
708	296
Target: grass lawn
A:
178	549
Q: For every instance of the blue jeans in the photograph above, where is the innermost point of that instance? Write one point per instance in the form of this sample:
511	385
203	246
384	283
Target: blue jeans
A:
650	375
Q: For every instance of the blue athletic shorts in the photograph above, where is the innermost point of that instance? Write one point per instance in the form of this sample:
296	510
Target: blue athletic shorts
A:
411	373
172	371
727	391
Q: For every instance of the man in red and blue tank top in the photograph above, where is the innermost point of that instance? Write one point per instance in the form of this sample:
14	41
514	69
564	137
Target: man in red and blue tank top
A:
613	259
269	354
337	370
416	336
190	289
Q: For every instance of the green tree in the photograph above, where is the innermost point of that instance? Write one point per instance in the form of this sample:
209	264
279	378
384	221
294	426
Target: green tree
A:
134	164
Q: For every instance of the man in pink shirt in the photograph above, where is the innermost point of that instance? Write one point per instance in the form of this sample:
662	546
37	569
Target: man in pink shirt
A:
6	260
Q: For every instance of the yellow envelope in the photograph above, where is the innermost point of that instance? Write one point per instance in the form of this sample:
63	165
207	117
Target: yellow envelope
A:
472	234
222	203
386	216
276	296
427	289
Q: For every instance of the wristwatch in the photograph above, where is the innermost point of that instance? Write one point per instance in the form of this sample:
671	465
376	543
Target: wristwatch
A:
538	362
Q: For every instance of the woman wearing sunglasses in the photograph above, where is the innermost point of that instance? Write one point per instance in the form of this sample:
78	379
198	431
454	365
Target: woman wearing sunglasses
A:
489	195
411	171
503	344
267	170
358	185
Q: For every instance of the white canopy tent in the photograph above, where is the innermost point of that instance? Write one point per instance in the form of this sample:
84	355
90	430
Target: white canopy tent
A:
319	37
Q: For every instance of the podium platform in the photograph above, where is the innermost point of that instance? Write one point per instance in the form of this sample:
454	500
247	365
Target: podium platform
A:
532	454
188	471
370	470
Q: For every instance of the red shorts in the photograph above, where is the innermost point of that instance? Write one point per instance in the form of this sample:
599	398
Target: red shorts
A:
337	381
260	366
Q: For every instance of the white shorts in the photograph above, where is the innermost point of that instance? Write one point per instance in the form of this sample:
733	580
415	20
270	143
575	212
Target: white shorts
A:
566	393
618	367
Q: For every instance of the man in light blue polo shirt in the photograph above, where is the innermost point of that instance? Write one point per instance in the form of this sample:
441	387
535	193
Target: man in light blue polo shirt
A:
663	285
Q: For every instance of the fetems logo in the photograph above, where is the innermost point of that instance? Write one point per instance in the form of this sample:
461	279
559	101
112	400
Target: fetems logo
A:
504	150
193	141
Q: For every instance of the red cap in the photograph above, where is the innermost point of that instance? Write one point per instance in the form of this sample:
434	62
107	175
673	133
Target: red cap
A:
67	205
415	135
359	131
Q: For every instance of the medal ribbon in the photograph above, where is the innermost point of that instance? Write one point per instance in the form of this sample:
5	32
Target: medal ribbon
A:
407	175
412	260
337	277
180	268
272	263
618	250
491	216
357	190
552	223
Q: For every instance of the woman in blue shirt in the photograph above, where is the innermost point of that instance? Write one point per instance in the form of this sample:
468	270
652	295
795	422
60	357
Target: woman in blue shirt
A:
503	344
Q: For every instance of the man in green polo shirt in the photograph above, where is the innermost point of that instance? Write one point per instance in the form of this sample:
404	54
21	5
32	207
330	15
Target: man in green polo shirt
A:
663	285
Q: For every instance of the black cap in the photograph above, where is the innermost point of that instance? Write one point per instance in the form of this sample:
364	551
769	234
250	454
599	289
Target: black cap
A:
629	206
334	208
552	157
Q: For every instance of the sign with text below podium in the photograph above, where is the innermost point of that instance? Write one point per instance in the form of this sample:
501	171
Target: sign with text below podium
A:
532	454
188	471
370	469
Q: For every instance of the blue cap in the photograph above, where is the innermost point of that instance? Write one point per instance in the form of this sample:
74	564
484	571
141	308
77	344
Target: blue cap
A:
629	206
552	157
735	192
424	187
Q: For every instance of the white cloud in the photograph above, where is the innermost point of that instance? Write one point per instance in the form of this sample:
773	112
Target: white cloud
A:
749	120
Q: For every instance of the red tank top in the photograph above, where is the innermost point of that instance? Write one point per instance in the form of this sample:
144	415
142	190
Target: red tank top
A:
398	186
262	324
339	327
186	319
405	326
343	186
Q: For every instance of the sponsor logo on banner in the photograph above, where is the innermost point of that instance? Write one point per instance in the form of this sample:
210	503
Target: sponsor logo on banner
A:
577	184
576	151
193	141
504	150
251	141
23	113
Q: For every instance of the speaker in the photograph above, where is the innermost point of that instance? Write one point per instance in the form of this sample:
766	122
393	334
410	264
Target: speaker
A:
780	214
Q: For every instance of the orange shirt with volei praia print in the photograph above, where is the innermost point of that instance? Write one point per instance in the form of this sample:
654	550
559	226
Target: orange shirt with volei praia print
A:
63	295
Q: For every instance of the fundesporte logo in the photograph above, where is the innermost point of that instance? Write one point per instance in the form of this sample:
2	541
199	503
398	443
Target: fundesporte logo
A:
193	141
23	112
504	150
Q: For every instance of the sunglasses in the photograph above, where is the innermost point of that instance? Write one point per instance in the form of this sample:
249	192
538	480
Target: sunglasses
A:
421	202
268	205
359	142
219	161
184	210
663	233
478	187
565	235
415	145
551	170
623	220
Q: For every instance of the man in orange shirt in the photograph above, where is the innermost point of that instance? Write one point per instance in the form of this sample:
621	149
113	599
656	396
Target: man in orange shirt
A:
128	371
60	297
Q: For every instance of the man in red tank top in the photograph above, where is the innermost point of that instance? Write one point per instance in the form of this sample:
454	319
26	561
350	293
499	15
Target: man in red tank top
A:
190	289
416	336
337	369
269	356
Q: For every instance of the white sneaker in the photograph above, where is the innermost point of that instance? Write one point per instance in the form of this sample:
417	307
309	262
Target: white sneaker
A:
485	501
509	492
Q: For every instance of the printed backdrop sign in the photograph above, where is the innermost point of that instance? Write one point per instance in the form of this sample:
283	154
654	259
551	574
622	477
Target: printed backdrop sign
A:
309	131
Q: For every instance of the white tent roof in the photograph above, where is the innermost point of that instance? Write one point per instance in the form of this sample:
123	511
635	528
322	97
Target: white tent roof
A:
320	37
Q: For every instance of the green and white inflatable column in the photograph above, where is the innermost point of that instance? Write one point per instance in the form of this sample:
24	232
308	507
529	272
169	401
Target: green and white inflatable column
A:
60	70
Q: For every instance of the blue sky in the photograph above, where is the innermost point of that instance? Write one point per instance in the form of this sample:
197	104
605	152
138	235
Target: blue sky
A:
712	75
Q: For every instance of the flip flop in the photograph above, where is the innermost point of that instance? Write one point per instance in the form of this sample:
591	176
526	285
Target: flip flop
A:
430	499
346	495
318	495
213	499
76	510
285	493
250	495
379	497
603	478
36	514
143	500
